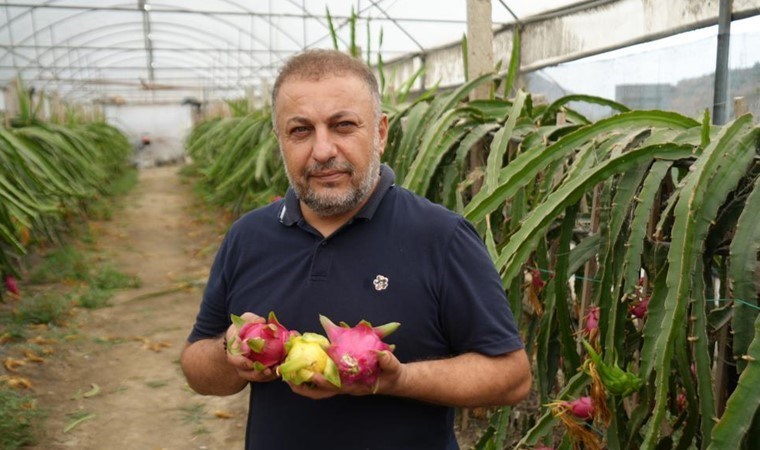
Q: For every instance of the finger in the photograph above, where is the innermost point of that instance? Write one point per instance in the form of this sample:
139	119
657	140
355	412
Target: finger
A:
319	381
253	318
239	362
312	390
263	376
245	365
252	374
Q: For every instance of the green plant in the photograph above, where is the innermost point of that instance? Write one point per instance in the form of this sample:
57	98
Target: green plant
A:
101	286
194	414
107	277
60	264
238	160
45	307
50	173
645	219
11	330
94	298
19	418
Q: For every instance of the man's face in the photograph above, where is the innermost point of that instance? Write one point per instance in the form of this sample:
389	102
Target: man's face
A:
331	142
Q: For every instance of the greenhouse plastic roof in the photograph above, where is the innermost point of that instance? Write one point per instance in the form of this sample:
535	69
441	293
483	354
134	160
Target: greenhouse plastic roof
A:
165	50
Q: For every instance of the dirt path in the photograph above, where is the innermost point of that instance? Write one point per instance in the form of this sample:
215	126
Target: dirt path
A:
130	349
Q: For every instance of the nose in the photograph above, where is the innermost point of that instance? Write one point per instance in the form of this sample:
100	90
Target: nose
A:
324	148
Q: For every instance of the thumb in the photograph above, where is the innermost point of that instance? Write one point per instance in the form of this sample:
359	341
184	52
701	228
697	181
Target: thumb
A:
387	361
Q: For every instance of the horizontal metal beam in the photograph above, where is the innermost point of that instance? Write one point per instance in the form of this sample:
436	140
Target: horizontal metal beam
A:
589	28
166	49
154	9
157	67
159	85
109	27
117	80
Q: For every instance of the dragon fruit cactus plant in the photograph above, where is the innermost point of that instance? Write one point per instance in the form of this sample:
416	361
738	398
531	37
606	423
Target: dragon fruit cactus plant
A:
306	356
262	343
355	349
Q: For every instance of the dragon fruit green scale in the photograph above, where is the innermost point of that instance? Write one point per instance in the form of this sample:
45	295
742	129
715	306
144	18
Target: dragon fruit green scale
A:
306	356
354	350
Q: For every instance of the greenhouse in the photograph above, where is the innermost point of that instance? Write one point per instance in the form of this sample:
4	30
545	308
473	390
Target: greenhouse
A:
534	224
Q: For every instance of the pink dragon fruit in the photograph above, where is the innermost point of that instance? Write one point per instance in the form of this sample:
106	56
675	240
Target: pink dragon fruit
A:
592	319
582	408
681	401
639	310
11	286
354	350
262	343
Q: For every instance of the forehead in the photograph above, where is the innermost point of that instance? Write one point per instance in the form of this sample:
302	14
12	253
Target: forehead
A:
334	91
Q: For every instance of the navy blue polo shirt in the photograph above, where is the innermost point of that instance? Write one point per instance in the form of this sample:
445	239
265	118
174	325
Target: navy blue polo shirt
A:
400	259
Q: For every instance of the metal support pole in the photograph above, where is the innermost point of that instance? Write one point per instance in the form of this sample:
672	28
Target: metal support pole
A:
720	91
10	36
148	37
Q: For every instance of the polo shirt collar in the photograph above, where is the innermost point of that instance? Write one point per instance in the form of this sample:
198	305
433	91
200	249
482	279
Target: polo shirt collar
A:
290	210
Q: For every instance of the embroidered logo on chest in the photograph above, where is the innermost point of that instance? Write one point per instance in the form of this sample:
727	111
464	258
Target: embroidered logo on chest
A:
381	283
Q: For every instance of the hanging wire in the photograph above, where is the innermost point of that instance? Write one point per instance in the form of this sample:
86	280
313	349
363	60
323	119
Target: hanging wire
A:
517	19
395	22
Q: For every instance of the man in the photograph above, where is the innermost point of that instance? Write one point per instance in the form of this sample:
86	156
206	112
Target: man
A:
348	243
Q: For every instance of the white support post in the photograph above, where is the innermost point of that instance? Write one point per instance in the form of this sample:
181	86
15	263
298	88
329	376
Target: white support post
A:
479	44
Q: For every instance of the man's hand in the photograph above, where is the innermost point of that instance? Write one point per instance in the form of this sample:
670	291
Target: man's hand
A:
243	365
467	380
391	371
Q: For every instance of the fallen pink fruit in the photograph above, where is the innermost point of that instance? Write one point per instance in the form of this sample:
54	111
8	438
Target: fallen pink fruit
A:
354	350
262	343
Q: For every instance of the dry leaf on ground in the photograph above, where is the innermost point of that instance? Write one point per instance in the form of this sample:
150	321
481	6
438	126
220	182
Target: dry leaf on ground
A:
33	357
12	364
16	382
39	340
220	414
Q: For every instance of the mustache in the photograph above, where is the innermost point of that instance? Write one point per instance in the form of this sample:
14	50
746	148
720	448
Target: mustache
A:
330	165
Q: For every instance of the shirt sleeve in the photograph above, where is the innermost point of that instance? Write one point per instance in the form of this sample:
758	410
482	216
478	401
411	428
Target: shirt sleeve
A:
475	311
213	318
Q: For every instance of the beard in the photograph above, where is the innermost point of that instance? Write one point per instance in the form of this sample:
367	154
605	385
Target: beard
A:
332	202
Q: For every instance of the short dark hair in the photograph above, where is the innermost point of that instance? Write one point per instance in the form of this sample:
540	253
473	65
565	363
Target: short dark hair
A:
318	64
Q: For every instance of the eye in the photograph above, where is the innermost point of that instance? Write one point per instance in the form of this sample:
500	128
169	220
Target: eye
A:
299	131
345	126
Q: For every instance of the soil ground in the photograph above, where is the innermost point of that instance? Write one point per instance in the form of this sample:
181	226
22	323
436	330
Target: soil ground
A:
128	352
130	349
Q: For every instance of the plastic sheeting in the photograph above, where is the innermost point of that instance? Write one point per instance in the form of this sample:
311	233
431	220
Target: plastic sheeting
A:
168	50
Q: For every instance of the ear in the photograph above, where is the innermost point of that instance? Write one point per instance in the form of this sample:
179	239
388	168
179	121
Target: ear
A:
382	130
